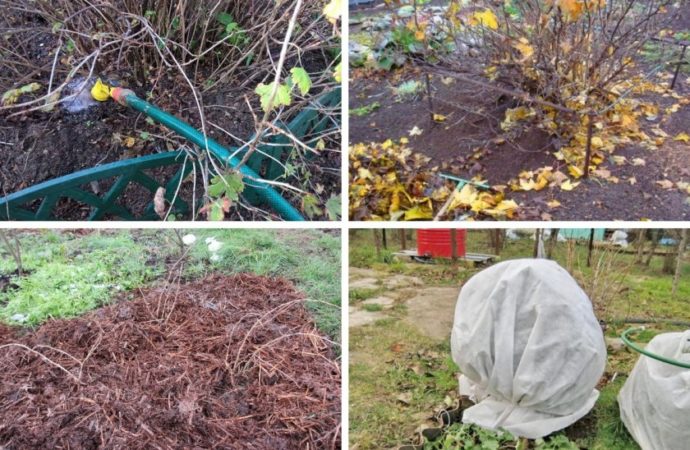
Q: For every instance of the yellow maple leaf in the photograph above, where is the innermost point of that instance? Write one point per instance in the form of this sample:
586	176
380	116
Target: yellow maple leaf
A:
575	171
524	48
419	212
485	18
129	142
569	185
682	137
439	118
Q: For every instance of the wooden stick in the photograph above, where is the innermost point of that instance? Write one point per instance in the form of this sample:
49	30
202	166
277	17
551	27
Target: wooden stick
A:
588	152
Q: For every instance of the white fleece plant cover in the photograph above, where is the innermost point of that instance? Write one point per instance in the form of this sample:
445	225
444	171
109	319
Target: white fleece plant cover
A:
655	399
529	347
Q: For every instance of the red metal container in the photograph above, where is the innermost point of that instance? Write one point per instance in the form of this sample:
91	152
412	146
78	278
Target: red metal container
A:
437	243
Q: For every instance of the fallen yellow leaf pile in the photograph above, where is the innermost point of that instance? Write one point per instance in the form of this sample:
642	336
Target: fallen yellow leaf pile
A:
390	182
556	52
620	125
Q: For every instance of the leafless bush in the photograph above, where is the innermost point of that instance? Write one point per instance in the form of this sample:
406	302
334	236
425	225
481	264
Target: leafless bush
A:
213	41
569	52
604	281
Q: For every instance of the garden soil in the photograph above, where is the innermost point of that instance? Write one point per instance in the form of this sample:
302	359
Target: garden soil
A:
466	145
225	362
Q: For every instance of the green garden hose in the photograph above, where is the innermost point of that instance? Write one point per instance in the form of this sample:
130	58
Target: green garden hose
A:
638	349
128	98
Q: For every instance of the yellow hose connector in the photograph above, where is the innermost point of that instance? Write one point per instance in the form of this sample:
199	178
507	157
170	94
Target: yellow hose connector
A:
100	91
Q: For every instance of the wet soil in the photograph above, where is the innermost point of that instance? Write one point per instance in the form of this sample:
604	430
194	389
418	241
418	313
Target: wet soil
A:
226	362
466	145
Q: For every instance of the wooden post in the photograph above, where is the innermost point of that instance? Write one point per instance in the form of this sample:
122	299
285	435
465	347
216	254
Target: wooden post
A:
377	243
588	152
680	64
537	237
679	261
553	239
403	239
641	235
590	248
384	240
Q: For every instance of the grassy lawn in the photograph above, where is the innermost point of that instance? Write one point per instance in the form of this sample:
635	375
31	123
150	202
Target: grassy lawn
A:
67	273
392	361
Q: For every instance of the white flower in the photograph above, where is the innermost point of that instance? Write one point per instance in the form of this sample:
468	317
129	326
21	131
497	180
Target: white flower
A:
215	257
188	239
214	246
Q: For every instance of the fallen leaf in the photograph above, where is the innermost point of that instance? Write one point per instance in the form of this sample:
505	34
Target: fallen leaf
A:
665	184
159	202
129	142
682	137
416	131
569	186
553	204
632	180
619	160
405	398
602	173
638	162
419	213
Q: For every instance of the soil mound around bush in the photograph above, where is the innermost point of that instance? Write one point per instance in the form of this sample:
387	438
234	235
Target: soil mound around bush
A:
226	362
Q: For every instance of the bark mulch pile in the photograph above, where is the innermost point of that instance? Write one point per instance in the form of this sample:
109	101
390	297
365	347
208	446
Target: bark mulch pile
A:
227	362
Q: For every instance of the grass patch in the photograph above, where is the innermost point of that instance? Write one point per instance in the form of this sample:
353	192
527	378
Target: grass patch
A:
610	434
373	307
358	295
390	360
365	110
71	276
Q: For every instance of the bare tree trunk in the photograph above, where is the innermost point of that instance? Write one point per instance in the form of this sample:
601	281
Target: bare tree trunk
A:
497	240
679	260
641	234
537	236
454	245
377	243
590	248
553	239
403	239
670	258
652	249
384	240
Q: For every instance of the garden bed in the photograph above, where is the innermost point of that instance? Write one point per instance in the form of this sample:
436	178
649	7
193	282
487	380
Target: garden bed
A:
467	138
222	362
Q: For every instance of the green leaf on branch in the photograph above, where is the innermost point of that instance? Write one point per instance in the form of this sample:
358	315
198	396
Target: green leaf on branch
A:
310	206
334	207
301	78
225	18
282	97
229	185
